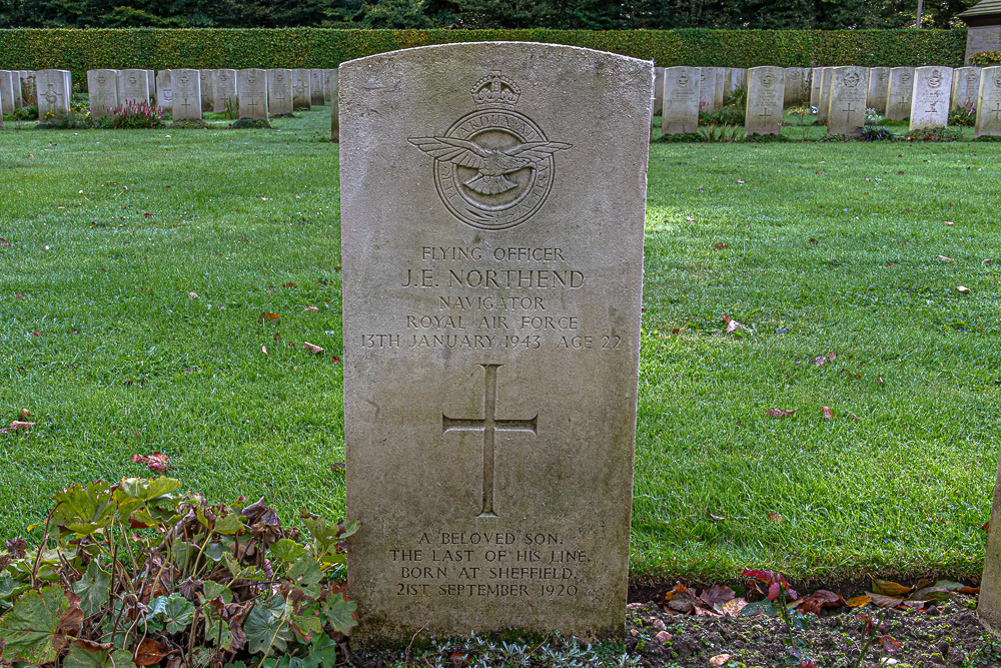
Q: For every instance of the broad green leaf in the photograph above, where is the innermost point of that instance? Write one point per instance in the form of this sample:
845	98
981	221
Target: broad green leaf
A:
214	551
31	629
265	622
306	625
146	489
306	575
84	509
174	611
228	524
214	589
93	588
102	658
338	614
322	652
764	607
949	585
287	551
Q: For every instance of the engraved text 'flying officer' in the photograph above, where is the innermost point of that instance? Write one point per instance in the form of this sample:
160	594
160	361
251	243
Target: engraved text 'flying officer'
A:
492	165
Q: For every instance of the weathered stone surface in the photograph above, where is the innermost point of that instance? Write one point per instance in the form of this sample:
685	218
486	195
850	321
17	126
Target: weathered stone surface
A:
815	80
898	93
53	91
707	88
335	124
224	93
9	100
721	90
989	108
327	73
151	85
133	86
930	98
849	91
738	79
492	253
681	100
658	91
102	91
187	93
164	91
796	91
879	81
824	108
300	89
765	89
279	92
252	91
989	604
316	95
206	91
965	86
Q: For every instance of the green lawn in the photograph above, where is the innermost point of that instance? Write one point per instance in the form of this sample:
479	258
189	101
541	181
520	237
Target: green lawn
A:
823	248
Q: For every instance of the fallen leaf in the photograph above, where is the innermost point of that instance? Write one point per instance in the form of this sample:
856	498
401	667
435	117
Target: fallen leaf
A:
859	601
891	588
854	417
821	598
731	608
156	462
949	223
900	173
778	412
827	412
264	349
663	636
458	658
672	593
984	261
943	258
312	309
717	518
716	595
720	246
21	425
18	295
634	633
931	594
316	350
689	219
813	241
277	336
732	325
37	332
719	660
149	652
986	526
879	380
193	295
970	591
290	284
336	359
963	289
25	414
268	317
885	601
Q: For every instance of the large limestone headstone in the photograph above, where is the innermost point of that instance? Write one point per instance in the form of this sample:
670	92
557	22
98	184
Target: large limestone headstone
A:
965	86
931	96
824	108
707	89
681	101
492	253
28	84
316	95
898	93
133	86
186	94
279	92
849	92
151	84
102	91
300	89
224	94
989	106
795	94
658	91
765	90
53	93
164	91
815	80
207	91
738	79
9	100
989	605
721	90
252	91
327	74
879	78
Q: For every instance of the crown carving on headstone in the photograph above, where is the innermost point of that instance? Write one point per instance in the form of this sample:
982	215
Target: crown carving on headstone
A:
495	88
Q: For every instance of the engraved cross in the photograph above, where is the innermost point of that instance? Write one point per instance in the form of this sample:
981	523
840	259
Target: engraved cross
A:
489	425
766	113
848	108
997	110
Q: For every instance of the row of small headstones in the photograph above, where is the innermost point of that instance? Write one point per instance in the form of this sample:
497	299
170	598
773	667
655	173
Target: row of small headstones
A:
248	93
841	95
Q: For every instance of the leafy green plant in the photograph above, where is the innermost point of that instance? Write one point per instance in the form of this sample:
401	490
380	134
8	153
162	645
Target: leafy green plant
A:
26	113
965	116
63	119
141	571
934	134
873	630
873	117
721	133
142	115
986	58
874	133
232	111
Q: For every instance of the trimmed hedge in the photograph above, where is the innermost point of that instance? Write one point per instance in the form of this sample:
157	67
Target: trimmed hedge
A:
153	48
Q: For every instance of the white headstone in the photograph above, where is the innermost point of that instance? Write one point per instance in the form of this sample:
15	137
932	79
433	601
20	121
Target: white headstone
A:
279	92
9	101
224	91
102	90
765	90
151	82
53	93
707	89
795	87
879	79
252	91
327	73
133	87
316	95
658	91
721	90
849	92
931	96
989	104
493	254
164	92
824	108
186	93
300	89
965	86
815	81
681	100
898	93
206	91
335	123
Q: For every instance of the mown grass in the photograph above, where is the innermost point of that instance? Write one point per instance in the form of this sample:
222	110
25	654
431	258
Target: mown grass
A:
824	248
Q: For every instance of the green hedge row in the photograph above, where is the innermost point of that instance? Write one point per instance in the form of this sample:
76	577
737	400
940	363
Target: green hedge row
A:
81	50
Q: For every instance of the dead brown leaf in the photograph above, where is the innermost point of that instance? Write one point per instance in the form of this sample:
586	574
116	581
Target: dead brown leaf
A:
774	517
827	412
962	289
969	591
25	414
859	601
889	588
21	425
156	462
149	652
720	246
312	309
264	349
821	598
663	637
731	608
778	412
885	601
268	317
193	295
716	595
314	349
